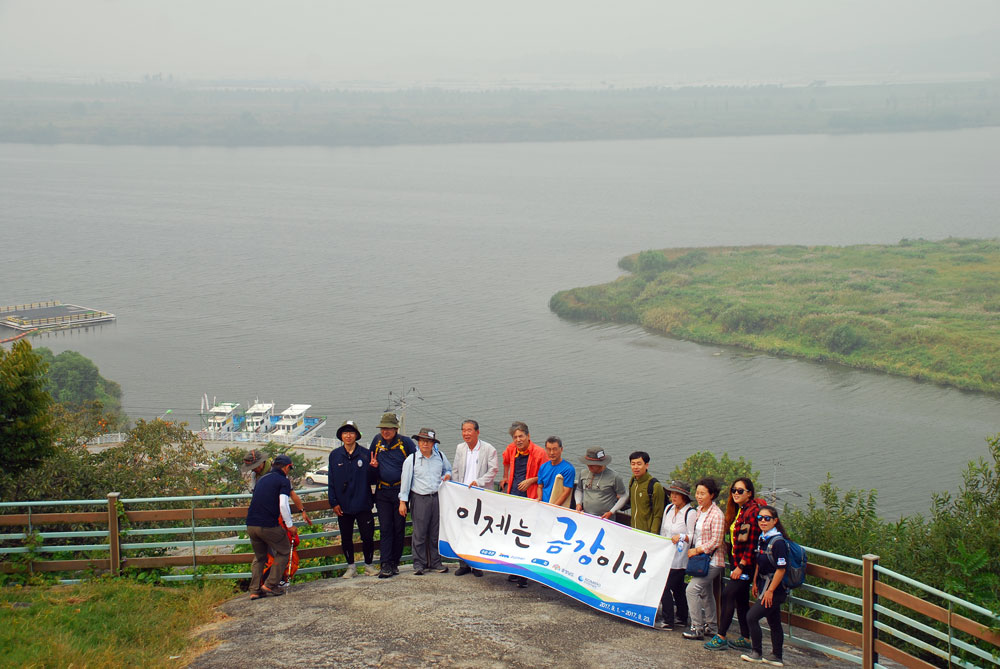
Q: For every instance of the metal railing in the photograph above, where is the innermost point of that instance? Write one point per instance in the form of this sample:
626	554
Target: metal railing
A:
195	535
234	438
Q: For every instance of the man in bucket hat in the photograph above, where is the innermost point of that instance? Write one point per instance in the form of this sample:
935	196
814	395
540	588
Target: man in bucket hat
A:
601	492
423	473
349	490
389	450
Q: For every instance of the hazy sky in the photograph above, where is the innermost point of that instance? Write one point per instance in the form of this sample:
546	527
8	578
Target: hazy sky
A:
419	42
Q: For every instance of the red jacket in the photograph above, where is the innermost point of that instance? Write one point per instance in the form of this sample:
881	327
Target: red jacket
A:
536	457
744	538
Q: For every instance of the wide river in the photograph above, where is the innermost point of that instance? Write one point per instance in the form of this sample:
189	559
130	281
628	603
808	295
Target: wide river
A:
334	276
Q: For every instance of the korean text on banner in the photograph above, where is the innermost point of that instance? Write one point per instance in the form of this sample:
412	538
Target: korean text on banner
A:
608	566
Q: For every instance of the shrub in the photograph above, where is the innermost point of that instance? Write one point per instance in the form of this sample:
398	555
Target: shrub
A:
844	339
745	318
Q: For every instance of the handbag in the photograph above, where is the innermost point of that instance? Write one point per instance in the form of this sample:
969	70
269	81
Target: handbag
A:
698	565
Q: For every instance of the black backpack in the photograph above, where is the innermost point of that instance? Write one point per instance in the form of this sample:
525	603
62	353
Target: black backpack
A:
649	494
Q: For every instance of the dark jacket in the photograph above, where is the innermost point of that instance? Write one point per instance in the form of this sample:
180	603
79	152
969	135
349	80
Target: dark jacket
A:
349	483
390	457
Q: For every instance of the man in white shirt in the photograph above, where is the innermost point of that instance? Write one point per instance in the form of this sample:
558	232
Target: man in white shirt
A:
476	464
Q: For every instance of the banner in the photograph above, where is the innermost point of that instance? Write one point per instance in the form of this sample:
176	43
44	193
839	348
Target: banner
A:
605	565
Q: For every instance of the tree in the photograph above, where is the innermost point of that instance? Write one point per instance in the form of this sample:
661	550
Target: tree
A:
26	431
724	470
74	380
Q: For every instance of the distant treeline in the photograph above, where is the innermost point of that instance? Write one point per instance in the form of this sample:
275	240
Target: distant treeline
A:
160	112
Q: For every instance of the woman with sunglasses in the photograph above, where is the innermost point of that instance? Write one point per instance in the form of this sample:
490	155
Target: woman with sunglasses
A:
772	553
708	529
741	520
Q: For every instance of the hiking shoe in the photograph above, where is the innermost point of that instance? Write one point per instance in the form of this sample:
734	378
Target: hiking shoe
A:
664	625
385	572
694	634
395	569
370	571
271	592
680	624
522	582
257	595
463	570
773	660
716	643
742	643
350	573
752	657
418	572
478	573
442	570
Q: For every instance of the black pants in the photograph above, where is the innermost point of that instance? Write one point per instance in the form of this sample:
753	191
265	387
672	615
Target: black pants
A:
773	616
735	597
366	528
674	595
391	525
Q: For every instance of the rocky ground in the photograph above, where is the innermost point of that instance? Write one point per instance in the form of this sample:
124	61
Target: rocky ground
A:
438	620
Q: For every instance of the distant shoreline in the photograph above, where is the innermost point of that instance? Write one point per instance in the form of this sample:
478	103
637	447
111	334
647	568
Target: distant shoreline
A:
925	310
161	113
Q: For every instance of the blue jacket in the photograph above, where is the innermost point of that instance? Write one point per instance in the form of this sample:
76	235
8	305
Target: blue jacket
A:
350	479
390	457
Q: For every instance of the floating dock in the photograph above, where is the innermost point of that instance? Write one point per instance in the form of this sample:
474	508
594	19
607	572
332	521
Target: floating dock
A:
51	315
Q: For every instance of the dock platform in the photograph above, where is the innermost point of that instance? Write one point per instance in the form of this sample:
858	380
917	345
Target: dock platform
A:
51	315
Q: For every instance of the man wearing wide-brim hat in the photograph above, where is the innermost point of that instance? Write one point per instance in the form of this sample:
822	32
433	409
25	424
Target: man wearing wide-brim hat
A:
349	490
601	492
389	450
423	473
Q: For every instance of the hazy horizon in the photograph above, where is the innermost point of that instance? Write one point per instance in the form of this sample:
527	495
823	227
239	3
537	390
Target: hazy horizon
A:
449	43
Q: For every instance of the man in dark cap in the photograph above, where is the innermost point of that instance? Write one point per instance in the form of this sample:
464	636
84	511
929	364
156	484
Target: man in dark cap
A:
268	506
349	489
254	464
423	473
600	492
389	450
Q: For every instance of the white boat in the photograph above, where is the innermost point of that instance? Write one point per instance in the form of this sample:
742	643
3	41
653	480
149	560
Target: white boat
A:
223	417
258	417
293	421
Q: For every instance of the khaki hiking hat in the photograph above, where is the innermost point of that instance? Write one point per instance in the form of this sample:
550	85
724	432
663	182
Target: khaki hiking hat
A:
389	420
252	460
596	456
427	433
350	426
680	487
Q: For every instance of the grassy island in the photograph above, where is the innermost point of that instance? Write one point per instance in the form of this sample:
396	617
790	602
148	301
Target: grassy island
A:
929	310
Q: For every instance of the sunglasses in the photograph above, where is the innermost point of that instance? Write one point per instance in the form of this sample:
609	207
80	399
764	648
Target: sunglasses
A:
739	491
763	518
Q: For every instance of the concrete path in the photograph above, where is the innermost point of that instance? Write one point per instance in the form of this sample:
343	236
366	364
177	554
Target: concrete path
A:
440	620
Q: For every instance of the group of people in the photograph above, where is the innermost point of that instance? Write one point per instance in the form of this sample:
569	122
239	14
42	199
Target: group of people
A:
400	476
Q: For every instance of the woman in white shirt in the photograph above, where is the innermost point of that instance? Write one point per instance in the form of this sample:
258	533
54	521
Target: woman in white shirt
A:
678	525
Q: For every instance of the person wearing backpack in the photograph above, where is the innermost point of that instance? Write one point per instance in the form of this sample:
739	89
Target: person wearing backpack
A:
741	521
645	494
768	588
678	525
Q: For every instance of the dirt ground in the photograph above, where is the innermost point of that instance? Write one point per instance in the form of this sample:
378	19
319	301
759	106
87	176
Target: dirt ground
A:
440	620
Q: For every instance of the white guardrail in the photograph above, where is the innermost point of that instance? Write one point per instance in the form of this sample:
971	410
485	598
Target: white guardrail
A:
233	437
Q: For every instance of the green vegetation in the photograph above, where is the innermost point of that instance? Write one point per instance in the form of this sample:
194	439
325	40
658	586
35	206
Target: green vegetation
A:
74	380
161	112
106	623
26	431
922	309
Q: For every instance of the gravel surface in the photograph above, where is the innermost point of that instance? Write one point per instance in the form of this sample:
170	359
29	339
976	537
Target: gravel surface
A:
439	620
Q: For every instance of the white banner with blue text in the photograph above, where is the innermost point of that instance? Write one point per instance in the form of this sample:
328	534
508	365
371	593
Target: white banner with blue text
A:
608	566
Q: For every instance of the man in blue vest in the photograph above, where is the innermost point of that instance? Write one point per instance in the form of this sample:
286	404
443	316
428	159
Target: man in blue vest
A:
389	450
269	503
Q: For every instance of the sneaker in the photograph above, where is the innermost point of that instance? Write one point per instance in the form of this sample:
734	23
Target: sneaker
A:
752	657
463	570
442	570
418	572
370	570
694	634
385	572
351	572
664	625
773	660
716	643
257	595
742	643
271	592
680	624
395	569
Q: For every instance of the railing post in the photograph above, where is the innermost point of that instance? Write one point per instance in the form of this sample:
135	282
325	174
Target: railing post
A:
869	634
113	538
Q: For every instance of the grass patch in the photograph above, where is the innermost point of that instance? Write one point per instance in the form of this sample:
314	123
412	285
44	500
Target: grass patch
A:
929	310
105	623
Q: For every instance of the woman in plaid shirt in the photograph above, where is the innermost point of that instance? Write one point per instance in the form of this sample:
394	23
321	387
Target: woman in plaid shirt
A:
708	531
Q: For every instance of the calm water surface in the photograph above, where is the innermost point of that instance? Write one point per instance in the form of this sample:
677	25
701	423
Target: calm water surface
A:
333	276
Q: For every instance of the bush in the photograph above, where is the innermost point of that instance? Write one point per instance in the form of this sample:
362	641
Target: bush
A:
746	318
724	470
844	339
